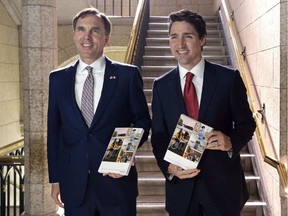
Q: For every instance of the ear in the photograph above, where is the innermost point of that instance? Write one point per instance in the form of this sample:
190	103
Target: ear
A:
107	39
203	40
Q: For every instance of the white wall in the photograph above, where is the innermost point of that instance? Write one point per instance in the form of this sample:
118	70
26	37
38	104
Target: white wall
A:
258	27
10	109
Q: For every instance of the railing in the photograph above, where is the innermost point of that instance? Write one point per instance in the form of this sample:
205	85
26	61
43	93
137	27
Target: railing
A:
12	179
115	7
135	50
244	71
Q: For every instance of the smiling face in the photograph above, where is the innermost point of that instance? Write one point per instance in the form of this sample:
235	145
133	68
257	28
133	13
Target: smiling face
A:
90	38
185	44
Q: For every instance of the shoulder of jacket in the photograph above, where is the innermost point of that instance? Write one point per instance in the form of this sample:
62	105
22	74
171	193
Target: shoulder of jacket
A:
59	69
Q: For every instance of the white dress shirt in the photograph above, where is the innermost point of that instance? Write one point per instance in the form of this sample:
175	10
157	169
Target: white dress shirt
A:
197	80
98	74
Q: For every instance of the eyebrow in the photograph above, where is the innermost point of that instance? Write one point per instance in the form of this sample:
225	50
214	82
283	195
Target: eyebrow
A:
185	34
92	28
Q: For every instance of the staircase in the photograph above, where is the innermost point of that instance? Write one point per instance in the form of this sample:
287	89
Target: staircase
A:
157	60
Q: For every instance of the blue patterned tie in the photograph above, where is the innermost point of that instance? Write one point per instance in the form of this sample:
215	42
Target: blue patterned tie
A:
87	101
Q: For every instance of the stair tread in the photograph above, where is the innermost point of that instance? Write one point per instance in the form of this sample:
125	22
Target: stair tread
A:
158	176
166	30
167	39
167	47
172	57
252	201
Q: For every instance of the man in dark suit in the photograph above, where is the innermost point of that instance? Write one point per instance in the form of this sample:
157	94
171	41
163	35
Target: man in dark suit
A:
76	146
217	187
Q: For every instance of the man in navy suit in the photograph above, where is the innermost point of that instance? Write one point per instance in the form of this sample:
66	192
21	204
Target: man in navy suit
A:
75	149
217	187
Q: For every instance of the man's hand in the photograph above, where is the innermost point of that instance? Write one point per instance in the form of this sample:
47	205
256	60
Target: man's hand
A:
218	141
55	194
113	175
182	174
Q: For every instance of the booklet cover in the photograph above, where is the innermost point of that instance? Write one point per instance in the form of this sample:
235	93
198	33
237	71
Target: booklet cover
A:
121	150
187	143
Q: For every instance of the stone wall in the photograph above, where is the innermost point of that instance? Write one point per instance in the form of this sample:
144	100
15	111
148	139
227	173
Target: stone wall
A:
10	105
258	28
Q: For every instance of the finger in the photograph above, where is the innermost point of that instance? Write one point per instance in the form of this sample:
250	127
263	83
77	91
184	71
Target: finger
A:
188	174
58	201
212	145
115	175
173	169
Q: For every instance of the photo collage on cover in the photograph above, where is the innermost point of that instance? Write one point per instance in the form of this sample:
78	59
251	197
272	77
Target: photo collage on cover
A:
122	145
189	141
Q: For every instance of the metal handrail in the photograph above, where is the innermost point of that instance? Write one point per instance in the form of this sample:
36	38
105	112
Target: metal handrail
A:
12	175
281	169
5	150
135	32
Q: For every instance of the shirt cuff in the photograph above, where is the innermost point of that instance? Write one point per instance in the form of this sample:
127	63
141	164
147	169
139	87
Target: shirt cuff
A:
230	153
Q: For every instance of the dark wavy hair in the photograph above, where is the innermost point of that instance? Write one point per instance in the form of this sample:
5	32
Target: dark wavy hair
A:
191	17
93	11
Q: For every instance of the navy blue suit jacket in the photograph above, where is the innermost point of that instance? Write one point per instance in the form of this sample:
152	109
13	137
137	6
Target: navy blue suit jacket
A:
74	150
224	107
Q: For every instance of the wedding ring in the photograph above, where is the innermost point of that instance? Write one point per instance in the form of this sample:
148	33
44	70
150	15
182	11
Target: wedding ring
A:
217	143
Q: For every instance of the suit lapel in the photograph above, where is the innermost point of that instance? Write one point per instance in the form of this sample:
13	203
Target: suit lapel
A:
175	92
110	81
209	84
70	77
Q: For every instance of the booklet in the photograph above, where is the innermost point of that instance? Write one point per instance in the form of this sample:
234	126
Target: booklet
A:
121	150
187	143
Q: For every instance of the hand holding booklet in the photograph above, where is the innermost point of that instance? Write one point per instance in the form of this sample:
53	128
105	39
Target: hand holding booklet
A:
187	143
120	153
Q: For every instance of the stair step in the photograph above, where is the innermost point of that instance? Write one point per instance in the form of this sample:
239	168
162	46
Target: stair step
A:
146	156
155	205
171	61
151	181
155	71
148	94
164	33
165	50
148	82
156	41
163	19
164	25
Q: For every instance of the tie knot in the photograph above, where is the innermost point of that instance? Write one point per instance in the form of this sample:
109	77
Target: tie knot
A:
89	69
189	76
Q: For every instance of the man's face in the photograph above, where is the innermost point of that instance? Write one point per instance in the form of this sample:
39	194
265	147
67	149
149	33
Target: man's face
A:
89	37
185	44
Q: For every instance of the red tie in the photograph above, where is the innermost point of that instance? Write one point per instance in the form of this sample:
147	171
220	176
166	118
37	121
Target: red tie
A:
190	97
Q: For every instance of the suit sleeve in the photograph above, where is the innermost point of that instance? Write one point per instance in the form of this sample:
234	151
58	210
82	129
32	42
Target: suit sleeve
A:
138	104
160	136
53	129
244	123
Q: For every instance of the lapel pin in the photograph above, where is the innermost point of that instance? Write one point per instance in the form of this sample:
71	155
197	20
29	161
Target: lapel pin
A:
112	77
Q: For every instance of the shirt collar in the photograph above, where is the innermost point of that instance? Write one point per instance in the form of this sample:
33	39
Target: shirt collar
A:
198	70
98	65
